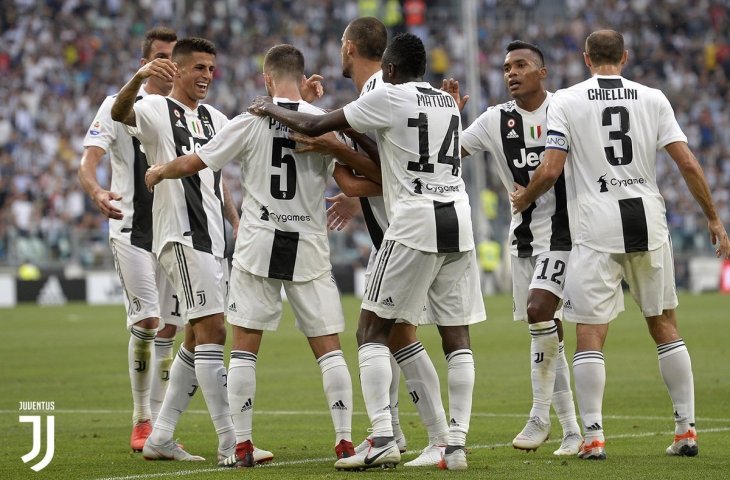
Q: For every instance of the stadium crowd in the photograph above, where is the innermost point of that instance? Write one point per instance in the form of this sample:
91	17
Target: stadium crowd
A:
61	58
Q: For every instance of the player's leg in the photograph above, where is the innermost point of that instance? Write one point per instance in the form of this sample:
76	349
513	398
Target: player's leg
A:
254	305
424	389
563	402
651	279
455	301
136	269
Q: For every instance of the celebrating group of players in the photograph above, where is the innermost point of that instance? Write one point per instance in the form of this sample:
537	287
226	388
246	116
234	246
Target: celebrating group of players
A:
398	147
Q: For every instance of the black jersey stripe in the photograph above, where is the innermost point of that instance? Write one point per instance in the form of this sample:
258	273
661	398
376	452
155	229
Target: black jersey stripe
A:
283	255
447	227
141	232
610	83
376	233
560	236
633	222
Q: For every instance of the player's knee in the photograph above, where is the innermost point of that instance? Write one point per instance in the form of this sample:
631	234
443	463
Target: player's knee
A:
539	311
150	323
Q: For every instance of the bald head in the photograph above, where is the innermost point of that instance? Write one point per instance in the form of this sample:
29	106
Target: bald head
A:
605	47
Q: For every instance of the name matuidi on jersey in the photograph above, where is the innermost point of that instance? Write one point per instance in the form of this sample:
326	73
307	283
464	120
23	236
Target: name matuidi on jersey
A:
442	101
612	94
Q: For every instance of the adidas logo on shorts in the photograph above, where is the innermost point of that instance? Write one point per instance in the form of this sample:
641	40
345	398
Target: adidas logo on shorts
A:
232	307
567	305
388	302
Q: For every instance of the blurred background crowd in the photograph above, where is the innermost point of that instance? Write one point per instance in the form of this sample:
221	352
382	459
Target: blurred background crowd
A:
59	59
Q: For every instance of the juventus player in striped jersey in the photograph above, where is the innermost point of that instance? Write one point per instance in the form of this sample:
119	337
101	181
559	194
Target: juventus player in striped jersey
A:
514	134
427	254
148	296
281	242
188	233
606	131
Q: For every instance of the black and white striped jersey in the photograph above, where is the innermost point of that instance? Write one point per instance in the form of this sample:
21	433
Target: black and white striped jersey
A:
188	210
283	229
515	139
128	165
417	129
612	128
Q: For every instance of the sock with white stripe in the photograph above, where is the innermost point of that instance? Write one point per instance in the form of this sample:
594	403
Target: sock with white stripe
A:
563	394
393	392
242	392
543	357
425	390
139	355
338	391
182	386
589	370
375	376
676	369
161	375
212	376
461	387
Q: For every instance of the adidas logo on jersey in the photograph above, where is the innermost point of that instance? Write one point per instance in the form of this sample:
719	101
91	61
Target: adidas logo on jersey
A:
179	124
339	405
512	134
388	302
247	406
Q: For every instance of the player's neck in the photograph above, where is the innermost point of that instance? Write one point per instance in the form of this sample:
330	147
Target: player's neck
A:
152	90
286	90
362	71
180	97
606	70
532	102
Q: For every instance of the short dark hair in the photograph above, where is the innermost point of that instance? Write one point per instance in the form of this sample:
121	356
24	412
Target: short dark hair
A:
164	34
369	36
408	54
605	47
189	45
520	45
284	60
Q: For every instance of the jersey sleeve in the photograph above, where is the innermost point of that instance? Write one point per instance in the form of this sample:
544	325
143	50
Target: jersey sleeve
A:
669	130
103	130
148	113
370	112
229	143
558	130
476	138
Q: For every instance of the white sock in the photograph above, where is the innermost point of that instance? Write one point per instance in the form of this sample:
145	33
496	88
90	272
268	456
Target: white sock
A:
161	374
139	355
212	377
563	395
425	391
461	386
183	385
589	370
242	392
375	376
338	391
394	402
543	355
676	369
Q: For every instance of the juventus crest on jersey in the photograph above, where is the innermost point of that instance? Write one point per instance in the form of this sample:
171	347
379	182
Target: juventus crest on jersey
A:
628	122
189	210
515	138
418	129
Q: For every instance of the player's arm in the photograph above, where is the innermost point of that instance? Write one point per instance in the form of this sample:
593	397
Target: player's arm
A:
87	177
329	144
230	212
341	210
180	167
312	125
695	179
366	143
354	186
123	107
544	178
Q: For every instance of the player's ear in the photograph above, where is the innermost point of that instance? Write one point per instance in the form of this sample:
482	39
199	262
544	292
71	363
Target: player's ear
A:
587	59
543	73
624	57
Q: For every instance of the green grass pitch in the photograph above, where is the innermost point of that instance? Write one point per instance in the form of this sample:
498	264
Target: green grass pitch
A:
75	356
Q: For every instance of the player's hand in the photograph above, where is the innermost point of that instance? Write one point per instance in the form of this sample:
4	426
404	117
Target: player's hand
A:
103	201
153	176
323	144
518	199
311	88
341	211
719	237
451	86
258	106
162	68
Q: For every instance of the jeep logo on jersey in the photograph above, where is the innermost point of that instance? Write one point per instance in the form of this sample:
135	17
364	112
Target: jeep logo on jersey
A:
530	158
194	146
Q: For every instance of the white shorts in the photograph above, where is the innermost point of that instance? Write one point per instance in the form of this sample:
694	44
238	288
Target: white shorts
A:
147	293
545	271
199	278
406	280
369	269
255	303
593	293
